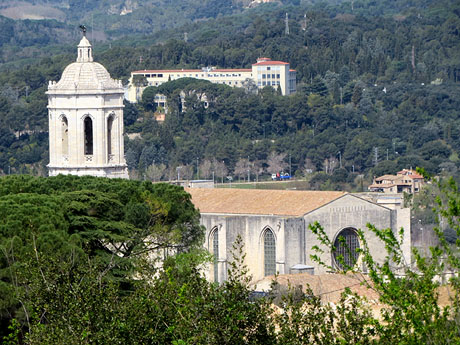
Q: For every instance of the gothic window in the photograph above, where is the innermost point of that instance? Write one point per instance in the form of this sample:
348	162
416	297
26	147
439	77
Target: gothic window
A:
346	244
109	135
215	252
269	253
88	125
65	136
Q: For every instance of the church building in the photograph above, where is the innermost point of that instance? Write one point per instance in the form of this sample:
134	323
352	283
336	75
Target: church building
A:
86	120
274	227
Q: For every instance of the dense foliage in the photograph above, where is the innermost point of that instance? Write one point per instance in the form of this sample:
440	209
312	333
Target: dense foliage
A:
112	223
63	281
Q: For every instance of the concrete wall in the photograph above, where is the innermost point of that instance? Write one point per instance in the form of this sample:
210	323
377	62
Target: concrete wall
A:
251	229
347	211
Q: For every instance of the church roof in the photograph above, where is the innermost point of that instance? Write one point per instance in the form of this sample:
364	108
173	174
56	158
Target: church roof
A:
261	202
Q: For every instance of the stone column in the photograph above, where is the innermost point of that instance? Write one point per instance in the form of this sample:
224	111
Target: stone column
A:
280	248
222	258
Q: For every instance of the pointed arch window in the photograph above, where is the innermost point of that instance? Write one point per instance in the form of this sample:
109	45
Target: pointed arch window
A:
88	126
109	135
65	135
269	253
215	252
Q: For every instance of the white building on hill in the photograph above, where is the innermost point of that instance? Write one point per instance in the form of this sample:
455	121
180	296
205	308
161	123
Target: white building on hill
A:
263	73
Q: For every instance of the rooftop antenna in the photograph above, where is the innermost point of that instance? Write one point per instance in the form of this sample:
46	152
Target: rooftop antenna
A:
287	24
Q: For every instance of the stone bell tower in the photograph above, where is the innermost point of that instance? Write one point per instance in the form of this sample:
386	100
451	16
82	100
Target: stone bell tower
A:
86	120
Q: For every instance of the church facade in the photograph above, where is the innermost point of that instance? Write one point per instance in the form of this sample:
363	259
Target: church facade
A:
86	120
274	227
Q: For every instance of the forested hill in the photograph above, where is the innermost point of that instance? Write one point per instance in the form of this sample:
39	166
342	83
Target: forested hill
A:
377	84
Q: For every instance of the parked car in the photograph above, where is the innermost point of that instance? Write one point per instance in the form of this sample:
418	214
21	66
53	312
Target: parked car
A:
285	176
281	176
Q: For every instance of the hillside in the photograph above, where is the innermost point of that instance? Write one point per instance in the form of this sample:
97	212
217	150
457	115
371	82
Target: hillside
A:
377	92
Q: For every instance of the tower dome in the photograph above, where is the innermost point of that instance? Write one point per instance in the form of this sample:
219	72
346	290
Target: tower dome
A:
84	74
86	119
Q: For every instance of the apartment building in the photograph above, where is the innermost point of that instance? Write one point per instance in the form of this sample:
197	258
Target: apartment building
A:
265	72
405	181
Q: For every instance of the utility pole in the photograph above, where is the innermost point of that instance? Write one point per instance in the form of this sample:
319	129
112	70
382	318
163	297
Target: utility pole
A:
376	155
340	160
290	166
223	167
287	24
249	176
185	37
197	170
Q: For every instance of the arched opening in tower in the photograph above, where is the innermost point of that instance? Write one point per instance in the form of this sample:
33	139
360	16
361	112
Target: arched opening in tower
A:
109	136
88	124
65	136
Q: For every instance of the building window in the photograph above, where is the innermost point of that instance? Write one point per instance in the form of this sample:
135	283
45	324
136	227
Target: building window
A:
109	135
268	68
269	253
215	252
277	75
264	76
346	244
65	136
88	125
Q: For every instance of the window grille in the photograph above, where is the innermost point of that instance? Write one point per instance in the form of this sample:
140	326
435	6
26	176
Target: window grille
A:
215	251
346	244
269	253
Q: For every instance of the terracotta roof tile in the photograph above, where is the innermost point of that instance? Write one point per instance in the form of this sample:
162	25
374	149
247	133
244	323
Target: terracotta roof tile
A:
265	63
387	177
220	70
264	202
